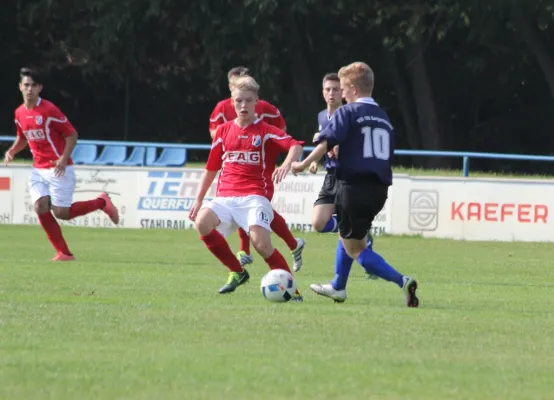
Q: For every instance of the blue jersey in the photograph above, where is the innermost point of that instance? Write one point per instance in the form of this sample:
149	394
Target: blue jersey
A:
366	139
323	119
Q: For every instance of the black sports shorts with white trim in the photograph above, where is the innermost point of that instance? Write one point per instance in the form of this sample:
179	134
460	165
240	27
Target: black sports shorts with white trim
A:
357	203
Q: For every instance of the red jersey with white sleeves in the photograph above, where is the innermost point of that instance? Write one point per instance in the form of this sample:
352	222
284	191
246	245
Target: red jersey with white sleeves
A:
45	128
247	158
224	111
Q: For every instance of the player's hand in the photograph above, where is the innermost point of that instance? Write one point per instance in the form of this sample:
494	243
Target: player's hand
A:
59	167
8	157
297	167
313	167
193	213
280	173
316	136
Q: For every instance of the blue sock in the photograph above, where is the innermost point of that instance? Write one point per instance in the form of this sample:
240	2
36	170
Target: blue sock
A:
374	264
343	263
331	226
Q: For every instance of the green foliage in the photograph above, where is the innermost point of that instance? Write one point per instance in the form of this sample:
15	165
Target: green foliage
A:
483	74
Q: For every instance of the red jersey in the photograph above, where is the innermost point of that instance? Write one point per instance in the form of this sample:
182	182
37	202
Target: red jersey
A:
224	111
247	158
45	128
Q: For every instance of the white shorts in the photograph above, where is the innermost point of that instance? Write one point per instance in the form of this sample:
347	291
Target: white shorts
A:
243	212
60	189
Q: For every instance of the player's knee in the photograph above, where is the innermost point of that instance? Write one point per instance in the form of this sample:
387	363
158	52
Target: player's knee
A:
205	223
354	247
61	213
318	224
203	227
321	215
42	205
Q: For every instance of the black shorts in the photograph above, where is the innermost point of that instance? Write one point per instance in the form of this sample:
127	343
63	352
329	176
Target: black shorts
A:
357	204
328	190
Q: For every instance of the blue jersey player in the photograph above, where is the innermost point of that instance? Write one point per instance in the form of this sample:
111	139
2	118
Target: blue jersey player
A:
366	139
323	219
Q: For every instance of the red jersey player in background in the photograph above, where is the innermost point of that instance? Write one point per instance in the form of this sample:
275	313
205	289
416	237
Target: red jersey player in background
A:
223	112
51	138
245	150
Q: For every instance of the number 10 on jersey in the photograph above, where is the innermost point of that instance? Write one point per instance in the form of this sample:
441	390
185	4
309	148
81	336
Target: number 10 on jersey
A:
376	143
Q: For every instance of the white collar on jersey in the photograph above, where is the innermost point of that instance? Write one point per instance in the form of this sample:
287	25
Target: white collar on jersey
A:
256	121
366	100
38	101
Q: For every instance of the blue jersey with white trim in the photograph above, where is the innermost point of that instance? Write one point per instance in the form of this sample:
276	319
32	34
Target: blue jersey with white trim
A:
366	139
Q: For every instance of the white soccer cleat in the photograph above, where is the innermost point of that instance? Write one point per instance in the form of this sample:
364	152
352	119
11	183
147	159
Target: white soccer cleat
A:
297	255
409	288
327	290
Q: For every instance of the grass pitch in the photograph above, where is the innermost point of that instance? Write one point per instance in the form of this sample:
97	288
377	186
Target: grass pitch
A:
139	317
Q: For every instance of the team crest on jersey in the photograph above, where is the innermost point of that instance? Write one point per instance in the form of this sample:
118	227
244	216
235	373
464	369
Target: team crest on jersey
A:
256	140
38	119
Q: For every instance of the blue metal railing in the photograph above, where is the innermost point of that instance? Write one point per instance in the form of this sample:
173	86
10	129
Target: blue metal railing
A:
466	156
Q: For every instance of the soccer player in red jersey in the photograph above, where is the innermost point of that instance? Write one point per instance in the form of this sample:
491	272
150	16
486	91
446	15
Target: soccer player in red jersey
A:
245	150
223	112
51	138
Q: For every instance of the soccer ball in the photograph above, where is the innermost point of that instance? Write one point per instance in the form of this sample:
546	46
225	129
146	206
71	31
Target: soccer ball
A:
278	286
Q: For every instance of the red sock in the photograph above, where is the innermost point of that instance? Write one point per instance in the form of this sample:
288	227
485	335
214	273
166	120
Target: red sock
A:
277	261
244	241
54	232
84	207
281	229
219	247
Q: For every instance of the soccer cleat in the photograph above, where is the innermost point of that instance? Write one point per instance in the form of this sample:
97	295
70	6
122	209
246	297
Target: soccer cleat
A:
409	288
244	258
327	290
297	255
234	281
109	208
64	257
297	297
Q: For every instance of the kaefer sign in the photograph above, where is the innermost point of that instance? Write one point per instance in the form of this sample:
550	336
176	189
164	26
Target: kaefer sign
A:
473	209
499	212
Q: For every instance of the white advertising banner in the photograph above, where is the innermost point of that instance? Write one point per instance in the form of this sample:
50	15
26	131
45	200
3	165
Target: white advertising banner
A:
474	209
119	184
458	208
161	199
6	185
165	197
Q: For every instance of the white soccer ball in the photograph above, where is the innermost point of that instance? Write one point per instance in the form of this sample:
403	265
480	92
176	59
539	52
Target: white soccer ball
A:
278	286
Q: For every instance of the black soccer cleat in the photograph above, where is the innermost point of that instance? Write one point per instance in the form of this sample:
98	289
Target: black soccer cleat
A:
234	281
